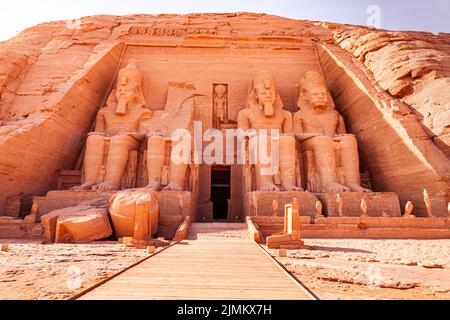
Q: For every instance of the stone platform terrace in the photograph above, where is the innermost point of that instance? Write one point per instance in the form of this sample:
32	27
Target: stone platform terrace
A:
360	227
378	203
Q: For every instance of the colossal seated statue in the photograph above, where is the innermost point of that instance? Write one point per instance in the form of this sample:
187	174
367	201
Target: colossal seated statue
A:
265	112
119	124
321	131
169	130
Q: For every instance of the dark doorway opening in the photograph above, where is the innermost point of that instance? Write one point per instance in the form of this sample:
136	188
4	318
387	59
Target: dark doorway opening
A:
220	191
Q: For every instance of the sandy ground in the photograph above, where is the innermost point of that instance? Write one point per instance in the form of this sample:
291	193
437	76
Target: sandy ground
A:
32	270
373	269
334	269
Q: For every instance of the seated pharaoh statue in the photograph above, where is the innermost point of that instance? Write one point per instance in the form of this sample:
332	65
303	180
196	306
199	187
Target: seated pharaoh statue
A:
167	172
118	123
265	115
321	131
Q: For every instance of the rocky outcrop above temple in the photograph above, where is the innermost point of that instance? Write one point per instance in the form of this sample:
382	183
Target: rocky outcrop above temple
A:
412	66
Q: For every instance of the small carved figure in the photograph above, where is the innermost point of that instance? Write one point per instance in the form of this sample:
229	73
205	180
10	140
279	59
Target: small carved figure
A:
180	204
364	207
408	210
220	104
340	204
319	209
275	207
427	200
255	202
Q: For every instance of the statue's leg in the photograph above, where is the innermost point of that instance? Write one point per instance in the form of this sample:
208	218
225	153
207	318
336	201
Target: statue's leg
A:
264	181
177	176
177	172
287	163
264	169
93	159
325	161
119	149
155	161
350	163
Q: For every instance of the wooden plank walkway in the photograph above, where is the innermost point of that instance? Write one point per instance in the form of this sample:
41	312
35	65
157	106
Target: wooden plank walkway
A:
204	269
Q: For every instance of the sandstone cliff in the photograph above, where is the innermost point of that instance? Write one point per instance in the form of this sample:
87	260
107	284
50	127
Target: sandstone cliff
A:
412	66
53	79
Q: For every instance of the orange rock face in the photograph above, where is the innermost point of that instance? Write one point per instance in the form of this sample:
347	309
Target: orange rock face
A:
391	88
413	67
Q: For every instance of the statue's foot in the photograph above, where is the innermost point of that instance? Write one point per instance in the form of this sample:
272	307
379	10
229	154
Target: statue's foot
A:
292	188
269	187
153	187
173	187
335	187
358	188
84	186
106	186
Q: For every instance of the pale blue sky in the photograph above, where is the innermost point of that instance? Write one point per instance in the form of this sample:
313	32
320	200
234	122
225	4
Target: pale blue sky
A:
429	15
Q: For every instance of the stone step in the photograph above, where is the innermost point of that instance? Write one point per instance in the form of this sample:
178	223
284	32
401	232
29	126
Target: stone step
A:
218	231
218	226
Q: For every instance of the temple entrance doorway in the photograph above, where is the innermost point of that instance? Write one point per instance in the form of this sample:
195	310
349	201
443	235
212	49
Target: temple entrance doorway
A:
220	191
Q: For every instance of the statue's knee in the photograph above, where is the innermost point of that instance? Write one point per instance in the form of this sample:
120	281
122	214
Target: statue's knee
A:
287	148
285	139
155	141
349	140
95	140
95	137
122	140
322	141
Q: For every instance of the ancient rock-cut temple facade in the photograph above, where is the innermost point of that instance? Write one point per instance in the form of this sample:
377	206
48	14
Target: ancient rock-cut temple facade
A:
387	91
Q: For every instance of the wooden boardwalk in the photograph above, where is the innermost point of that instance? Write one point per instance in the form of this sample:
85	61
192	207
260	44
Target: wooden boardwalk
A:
205	269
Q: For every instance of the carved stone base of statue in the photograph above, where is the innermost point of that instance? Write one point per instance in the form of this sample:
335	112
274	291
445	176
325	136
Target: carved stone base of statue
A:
348	204
260	203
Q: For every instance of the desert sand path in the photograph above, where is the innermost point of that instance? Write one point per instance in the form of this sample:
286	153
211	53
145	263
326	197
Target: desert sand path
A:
217	261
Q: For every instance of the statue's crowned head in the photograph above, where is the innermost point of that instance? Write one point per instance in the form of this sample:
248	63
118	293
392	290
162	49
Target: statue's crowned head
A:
264	93
313	92
220	90
129	87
